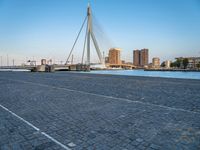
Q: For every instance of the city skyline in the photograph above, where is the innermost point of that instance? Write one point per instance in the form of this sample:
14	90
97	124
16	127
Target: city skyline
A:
47	29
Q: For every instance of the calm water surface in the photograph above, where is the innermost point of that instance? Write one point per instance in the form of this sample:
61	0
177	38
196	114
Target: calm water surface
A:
164	74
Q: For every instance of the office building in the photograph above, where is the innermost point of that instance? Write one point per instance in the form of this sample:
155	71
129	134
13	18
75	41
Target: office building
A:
141	57
114	56
156	62
144	57
136	57
193	62
167	64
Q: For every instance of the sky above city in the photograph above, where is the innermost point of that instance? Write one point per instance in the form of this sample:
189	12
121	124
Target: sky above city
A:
35	29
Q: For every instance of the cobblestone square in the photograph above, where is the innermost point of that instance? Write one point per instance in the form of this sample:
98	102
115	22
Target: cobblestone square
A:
81	111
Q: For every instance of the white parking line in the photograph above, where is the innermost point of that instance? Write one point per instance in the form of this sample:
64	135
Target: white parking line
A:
104	96
37	129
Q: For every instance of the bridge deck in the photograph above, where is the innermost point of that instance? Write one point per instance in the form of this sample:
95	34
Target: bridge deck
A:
86	111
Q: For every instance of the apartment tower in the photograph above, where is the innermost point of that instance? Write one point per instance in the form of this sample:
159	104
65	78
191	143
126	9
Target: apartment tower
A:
114	56
141	57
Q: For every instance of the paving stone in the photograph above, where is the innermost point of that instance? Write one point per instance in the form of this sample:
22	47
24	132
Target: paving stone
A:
158	114
139	140
153	146
71	144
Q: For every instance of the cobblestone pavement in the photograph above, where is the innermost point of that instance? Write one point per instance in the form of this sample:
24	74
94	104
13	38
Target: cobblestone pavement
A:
91	112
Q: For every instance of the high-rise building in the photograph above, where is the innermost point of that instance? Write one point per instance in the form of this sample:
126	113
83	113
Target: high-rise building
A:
144	57
114	56
136	57
141	57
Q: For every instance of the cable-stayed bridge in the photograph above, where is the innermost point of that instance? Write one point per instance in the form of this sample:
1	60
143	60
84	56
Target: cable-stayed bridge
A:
89	39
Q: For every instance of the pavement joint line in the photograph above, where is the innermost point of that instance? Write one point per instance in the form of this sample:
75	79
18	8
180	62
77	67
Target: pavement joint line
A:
34	127
110	97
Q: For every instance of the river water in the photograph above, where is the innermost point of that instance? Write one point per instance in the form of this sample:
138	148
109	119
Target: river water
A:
164	74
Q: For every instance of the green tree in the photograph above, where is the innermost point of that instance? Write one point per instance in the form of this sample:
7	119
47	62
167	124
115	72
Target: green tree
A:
163	64
177	63
185	63
198	65
171	65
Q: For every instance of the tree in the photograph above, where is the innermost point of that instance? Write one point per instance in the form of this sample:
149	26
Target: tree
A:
177	63
185	63
198	65
163	64
172	65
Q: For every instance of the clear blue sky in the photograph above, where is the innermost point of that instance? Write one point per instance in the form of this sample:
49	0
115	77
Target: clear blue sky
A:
47	28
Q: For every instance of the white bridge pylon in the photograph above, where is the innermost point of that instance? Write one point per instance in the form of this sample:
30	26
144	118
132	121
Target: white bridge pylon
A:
90	36
90	33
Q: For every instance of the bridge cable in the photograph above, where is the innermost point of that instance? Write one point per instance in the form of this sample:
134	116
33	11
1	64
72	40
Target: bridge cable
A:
104	41
76	39
84	44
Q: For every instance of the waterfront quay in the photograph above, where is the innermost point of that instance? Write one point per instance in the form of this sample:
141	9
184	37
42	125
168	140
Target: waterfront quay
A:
82	111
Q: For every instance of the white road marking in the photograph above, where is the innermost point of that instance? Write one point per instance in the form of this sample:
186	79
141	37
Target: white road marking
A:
104	96
37	129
